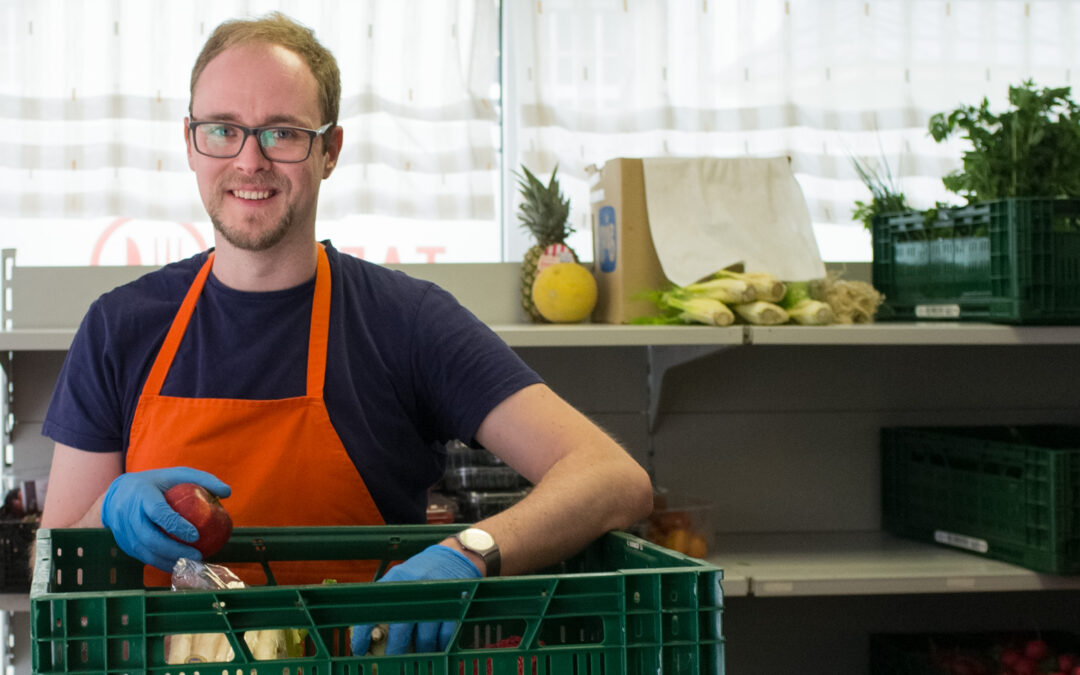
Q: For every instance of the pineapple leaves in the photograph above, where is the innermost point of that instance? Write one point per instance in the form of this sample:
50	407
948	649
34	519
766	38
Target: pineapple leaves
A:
543	211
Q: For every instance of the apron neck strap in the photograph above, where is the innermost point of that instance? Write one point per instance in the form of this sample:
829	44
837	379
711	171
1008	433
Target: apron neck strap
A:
320	327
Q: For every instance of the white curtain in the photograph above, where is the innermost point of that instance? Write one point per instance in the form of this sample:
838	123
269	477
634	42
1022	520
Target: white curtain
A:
93	94
817	80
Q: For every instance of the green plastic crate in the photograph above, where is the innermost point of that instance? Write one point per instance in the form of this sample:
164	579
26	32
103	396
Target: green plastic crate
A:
1008	493
623	605
1006	261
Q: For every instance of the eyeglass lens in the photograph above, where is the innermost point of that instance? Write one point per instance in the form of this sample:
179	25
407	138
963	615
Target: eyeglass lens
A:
226	140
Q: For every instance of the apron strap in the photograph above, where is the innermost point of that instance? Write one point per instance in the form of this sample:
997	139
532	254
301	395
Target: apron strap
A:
176	332
320	327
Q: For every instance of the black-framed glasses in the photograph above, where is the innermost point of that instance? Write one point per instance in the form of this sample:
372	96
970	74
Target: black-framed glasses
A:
278	144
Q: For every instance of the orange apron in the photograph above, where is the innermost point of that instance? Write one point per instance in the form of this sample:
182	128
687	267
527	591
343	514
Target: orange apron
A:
283	459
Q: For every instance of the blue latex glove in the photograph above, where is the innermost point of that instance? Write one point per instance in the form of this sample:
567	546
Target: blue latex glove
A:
433	563
138	515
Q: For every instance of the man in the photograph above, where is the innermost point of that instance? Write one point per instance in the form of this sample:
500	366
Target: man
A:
310	387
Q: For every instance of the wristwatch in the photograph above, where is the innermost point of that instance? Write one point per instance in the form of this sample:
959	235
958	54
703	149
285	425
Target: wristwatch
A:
482	544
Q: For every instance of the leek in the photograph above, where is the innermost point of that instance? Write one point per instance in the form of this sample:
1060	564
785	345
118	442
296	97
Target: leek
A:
766	286
762	313
731	291
701	310
810	312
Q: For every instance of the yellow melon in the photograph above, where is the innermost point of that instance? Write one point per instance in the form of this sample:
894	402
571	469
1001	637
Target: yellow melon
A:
564	292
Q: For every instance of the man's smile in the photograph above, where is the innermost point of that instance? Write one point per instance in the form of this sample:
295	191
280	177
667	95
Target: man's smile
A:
253	195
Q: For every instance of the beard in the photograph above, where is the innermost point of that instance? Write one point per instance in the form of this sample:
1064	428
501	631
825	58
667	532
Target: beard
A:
254	237
259	240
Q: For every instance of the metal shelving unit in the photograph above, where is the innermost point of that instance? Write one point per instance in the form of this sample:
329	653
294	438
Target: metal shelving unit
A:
604	335
779	562
863	563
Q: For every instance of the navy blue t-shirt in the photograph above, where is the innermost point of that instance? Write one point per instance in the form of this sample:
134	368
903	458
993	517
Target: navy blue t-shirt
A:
408	367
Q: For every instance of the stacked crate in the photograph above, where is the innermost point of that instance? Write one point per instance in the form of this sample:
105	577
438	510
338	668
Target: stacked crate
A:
480	483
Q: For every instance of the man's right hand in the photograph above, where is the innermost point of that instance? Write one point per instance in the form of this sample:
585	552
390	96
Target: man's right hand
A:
135	510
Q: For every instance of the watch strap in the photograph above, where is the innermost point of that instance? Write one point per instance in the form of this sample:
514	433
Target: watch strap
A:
491	556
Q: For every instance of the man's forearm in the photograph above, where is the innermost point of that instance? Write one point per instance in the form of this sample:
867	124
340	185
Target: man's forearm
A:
92	518
575	503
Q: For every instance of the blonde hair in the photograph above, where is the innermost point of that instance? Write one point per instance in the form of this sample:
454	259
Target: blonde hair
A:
277	29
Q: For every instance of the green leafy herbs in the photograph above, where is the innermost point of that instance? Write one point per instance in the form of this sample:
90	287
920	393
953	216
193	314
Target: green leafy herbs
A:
1030	150
886	198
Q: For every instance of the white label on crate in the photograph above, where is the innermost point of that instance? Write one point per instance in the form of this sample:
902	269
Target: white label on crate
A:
937	311
961	541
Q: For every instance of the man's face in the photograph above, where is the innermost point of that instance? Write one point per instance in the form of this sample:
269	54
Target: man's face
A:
253	202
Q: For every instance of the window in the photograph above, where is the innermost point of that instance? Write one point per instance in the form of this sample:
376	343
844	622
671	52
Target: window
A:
437	116
94	171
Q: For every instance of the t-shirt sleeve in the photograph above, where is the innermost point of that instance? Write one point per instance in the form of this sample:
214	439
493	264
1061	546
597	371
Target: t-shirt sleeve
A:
462	365
85	411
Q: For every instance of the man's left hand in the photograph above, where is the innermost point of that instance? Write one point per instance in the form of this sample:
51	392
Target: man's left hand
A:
432	564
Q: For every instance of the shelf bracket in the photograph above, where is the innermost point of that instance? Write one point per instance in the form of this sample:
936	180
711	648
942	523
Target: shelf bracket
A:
661	359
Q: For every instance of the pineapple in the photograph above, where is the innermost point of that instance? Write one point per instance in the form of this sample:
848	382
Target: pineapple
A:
545	213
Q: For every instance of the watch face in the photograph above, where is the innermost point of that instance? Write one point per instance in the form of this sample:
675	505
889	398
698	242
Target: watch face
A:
477	539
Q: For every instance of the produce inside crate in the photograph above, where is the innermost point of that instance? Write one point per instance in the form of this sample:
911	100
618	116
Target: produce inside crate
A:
623	605
989	653
1008	493
681	523
1011	260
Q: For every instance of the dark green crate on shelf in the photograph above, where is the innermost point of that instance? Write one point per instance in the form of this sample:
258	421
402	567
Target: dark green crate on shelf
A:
1005	261
623	605
1009	493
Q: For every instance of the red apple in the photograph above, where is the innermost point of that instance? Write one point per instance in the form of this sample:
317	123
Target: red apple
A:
205	512
1066	662
1036	649
1010	657
1026	666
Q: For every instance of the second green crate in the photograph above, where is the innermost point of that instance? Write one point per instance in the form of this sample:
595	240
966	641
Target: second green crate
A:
1008	493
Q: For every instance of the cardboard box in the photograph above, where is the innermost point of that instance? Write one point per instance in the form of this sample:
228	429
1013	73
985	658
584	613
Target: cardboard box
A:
707	213
624	258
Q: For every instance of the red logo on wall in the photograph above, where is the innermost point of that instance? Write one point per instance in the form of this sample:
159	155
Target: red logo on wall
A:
127	241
